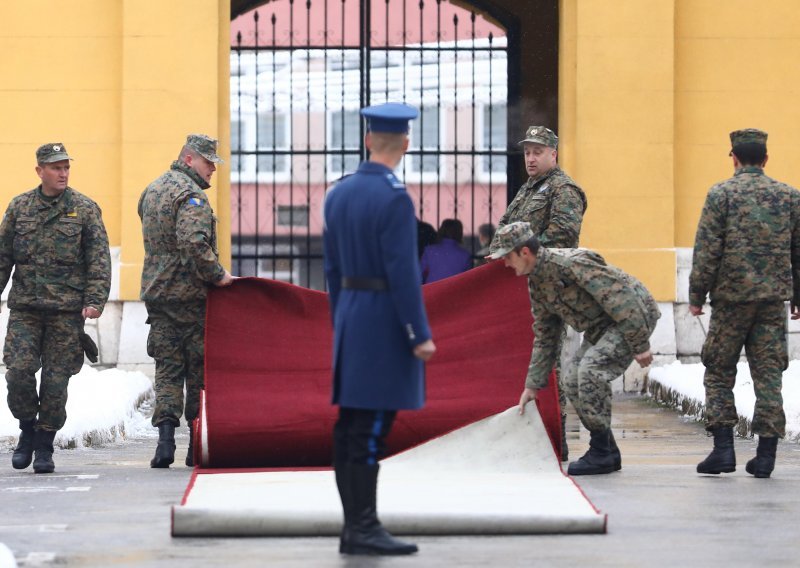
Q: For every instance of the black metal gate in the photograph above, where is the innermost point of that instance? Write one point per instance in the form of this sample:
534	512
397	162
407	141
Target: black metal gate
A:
300	72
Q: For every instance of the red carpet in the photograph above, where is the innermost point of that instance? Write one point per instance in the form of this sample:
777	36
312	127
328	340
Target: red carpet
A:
268	376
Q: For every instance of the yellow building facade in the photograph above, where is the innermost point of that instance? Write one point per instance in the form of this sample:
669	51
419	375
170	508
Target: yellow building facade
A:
648	92
121	83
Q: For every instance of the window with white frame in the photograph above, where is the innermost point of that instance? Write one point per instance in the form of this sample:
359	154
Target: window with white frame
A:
236	147
266	133
426	135
292	215
345	138
493	137
273	134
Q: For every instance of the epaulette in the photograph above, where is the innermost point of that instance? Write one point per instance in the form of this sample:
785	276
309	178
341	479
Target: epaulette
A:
394	182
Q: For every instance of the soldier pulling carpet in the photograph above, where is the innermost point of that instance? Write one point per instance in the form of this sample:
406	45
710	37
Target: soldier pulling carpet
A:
614	310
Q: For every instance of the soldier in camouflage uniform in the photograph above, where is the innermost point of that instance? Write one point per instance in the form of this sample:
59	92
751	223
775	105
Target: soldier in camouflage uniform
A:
181	261
747	257
554	206
54	239
616	312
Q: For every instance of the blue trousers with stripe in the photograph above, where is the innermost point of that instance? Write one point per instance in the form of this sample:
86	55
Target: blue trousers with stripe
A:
359	436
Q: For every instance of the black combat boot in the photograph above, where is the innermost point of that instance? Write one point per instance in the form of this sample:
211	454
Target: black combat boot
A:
43	448
599	459
764	462
346	495
165	450
190	452
615	451
366	535
722	458
564	448
23	453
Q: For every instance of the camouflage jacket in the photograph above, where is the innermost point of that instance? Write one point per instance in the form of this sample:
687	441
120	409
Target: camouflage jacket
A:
747	246
180	238
58	250
554	206
577	287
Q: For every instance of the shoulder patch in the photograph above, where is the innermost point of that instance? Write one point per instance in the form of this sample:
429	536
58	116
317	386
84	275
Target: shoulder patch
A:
195	201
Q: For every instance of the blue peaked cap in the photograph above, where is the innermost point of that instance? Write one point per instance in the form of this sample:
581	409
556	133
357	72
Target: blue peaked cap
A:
389	117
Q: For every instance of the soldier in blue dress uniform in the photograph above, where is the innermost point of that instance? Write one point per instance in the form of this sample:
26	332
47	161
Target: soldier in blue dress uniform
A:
381	332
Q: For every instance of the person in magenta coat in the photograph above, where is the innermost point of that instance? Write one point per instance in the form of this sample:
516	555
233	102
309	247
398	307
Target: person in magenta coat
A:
381	331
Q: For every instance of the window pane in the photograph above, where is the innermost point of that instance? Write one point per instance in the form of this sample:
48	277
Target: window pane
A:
425	136
272	135
293	215
344	163
236	125
345	135
495	137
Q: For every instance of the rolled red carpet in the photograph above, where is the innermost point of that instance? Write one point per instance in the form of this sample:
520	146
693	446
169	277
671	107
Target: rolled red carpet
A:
268	368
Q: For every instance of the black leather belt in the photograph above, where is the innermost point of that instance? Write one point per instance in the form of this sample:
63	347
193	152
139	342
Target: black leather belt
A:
356	283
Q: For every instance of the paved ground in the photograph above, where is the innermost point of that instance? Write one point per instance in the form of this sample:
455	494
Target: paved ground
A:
106	507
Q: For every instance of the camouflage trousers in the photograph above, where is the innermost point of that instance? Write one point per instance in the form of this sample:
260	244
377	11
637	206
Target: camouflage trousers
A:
558	368
759	327
588	382
176	343
570	342
46	340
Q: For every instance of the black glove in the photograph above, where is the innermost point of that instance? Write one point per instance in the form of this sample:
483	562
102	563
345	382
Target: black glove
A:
89	347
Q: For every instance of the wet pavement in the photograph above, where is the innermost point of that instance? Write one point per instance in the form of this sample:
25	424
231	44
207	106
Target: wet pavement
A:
106	507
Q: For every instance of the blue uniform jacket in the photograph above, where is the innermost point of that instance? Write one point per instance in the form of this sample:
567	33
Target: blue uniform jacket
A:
371	232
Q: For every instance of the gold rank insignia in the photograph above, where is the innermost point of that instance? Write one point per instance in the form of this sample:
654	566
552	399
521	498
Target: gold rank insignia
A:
72	213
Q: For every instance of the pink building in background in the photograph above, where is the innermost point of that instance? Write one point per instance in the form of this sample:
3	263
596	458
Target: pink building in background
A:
296	88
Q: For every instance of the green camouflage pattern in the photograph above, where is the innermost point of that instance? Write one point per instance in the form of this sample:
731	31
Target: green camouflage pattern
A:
58	250
46	340
759	327
577	287
748	136
510	236
175	342
554	206
180	238
53	152
205	146
588	382
747	246
540	135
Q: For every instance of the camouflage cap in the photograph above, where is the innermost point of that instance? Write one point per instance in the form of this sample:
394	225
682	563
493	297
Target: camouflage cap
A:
748	136
540	135
205	146
53	152
508	237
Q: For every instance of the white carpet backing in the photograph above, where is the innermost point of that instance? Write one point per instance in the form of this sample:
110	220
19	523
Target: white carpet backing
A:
497	476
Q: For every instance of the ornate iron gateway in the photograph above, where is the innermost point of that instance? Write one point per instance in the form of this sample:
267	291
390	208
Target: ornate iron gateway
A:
300	72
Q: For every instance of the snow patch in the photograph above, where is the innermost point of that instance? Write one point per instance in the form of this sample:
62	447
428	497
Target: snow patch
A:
686	382
102	407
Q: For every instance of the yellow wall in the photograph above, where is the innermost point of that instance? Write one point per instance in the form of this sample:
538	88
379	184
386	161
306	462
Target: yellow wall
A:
648	91
736	67
120	83
616	119
60	82
174	81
